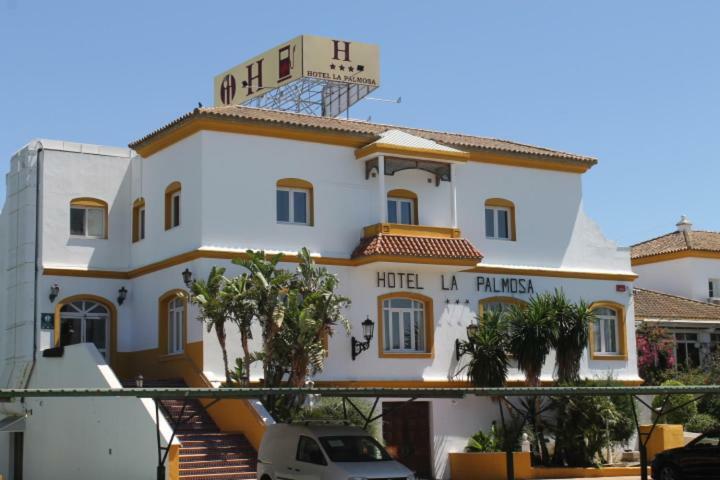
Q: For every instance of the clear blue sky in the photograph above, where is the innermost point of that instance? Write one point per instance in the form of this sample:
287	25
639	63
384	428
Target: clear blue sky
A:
634	83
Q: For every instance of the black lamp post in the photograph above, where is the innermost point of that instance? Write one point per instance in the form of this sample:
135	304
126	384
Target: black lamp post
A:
187	277
368	326
461	348
122	295
54	292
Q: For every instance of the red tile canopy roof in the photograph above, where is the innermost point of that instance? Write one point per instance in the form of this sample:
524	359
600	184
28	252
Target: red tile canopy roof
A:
454	250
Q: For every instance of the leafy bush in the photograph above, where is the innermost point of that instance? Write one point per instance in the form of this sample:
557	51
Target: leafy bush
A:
656	352
331	409
702	422
680	416
482	442
710	404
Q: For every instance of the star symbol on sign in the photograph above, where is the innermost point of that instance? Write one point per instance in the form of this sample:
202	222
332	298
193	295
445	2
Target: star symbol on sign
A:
351	69
332	66
361	68
342	67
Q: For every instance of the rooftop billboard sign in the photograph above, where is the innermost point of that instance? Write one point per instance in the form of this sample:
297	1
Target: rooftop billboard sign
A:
303	57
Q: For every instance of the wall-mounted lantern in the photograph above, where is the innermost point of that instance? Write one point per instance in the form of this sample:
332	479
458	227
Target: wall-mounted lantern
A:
368	327
122	295
187	277
54	292
139	380
461	347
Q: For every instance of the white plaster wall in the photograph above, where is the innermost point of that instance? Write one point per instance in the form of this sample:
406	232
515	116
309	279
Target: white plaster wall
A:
686	277
18	252
88	437
74	174
182	162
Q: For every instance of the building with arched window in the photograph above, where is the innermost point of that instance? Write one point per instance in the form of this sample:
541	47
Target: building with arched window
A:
425	230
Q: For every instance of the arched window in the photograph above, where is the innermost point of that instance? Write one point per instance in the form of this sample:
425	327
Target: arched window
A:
406	326
607	333
172	205
138	220
500	219
498	304
88	218
86	319
172	323
294	202
402	207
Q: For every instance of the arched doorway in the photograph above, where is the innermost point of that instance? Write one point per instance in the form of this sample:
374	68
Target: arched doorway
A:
85	320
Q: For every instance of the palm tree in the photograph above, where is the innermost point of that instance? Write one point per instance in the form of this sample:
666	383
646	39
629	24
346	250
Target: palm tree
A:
533	331
213	308
573	327
267	285
242	308
487	349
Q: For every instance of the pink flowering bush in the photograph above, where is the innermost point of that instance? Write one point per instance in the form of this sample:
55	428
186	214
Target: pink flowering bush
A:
656	352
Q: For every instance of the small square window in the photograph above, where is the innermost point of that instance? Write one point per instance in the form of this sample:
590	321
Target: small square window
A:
497	223
87	222
293	206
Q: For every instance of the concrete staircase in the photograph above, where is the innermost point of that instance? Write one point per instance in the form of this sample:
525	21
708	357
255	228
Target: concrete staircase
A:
206	453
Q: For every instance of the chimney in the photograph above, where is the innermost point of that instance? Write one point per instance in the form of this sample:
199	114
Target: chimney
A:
684	225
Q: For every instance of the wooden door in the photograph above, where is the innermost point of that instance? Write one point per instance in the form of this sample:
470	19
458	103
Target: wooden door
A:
406	431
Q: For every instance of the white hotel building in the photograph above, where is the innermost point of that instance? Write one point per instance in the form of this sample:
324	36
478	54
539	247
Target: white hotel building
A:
421	227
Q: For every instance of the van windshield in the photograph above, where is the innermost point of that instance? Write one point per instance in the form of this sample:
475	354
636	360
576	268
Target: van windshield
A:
354	449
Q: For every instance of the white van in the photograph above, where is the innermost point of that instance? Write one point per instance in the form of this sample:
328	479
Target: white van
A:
325	452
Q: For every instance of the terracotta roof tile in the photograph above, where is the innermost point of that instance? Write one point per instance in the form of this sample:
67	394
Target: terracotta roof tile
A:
371	130
693	240
426	247
658	305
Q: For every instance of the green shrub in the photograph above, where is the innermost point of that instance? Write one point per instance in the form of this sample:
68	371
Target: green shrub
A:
331	409
680	416
702	422
710	404
482	442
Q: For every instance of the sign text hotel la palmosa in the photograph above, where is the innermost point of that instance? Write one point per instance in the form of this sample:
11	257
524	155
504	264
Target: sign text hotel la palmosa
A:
424	229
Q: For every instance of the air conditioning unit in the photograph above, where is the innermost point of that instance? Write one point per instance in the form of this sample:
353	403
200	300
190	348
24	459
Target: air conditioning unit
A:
714	300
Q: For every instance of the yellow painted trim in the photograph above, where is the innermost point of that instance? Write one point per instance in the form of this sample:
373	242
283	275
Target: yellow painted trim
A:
410	230
138	204
345	262
503	203
664	257
170	190
93	203
163	303
529	161
546	272
112	334
622	333
192	125
303	185
499	299
429	326
377	148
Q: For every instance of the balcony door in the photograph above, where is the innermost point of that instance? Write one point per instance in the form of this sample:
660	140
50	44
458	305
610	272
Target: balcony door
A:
85	321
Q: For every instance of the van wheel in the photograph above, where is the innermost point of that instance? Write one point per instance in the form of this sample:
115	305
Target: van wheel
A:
265	477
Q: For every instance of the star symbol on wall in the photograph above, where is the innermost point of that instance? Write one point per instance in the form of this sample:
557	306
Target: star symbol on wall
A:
332	66
351	69
342	67
361	68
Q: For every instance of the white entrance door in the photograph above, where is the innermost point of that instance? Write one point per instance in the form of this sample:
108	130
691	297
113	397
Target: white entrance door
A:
85	321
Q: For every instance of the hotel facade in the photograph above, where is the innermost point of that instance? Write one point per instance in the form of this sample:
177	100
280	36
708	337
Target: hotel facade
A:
424	230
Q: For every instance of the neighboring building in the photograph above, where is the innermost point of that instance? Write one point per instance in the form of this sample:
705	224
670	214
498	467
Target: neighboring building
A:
679	288
424	229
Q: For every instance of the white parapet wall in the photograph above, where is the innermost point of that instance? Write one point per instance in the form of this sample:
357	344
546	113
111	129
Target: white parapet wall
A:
87	437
